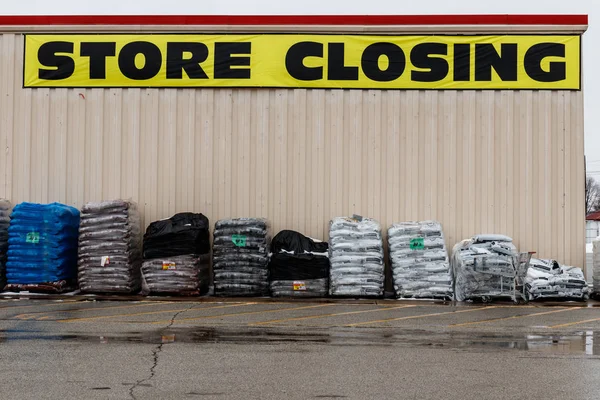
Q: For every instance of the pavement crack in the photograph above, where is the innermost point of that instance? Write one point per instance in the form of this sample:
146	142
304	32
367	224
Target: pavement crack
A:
155	354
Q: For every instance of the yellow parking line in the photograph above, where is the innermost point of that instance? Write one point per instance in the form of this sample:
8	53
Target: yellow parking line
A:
574	323
247	313
145	313
423	316
24	317
511	317
328	315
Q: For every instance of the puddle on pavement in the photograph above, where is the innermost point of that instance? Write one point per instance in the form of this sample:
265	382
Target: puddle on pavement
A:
578	343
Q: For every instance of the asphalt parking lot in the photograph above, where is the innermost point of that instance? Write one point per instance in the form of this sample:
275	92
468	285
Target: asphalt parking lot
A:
274	349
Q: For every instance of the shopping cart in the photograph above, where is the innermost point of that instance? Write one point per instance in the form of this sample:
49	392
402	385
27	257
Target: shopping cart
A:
520	293
502	282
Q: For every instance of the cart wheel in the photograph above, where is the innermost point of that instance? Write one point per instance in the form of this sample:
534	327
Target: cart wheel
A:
516	302
486	299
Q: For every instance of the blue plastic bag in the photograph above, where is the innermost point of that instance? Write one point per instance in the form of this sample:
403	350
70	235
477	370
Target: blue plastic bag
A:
42	243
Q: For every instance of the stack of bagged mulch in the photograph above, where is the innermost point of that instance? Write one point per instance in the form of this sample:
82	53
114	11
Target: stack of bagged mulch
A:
177	256
419	260
241	257
356	256
299	266
110	248
485	267
548	279
42	248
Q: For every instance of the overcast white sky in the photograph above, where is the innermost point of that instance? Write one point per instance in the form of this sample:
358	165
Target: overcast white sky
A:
224	7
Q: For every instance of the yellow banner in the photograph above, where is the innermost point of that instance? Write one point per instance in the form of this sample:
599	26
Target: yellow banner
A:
304	61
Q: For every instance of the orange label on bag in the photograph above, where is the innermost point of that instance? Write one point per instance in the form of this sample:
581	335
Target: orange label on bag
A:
168	265
299	285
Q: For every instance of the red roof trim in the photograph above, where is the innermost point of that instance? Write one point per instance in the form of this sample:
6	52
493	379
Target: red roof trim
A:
294	20
595	216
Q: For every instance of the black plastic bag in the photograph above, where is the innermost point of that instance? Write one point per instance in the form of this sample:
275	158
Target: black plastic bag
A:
292	241
183	233
285	267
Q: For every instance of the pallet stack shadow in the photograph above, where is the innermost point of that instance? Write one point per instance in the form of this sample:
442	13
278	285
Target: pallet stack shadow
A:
241	257
419	260
356	256
484	267
5	209
299	266
110	248
42	247
548	279
177	256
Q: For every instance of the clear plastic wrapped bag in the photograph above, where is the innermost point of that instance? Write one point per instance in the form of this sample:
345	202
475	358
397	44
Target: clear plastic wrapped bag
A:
596	266
241	223
547	279
42	245
356	256
300	288
299	266
419	260
227	288
241	277
249	242
483	269
110	248
241	257
186	274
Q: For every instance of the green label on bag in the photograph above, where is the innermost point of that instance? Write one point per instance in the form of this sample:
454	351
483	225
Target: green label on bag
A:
417	244
239	240
33	237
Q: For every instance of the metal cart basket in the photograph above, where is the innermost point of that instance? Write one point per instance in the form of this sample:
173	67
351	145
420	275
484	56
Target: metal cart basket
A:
503	280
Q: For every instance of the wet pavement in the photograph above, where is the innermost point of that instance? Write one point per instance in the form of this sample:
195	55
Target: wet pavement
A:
275	349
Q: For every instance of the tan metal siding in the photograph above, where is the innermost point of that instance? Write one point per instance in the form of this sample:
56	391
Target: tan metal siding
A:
504	161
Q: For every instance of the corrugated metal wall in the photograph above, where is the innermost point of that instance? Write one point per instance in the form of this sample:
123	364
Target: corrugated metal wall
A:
494	161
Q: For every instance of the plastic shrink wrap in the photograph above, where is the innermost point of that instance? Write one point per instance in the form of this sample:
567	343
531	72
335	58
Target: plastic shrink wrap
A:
356	256
183	233
241	257
299	266
484	267
177	256
547	279
182	275
42	247
596	267
110	248
419	260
